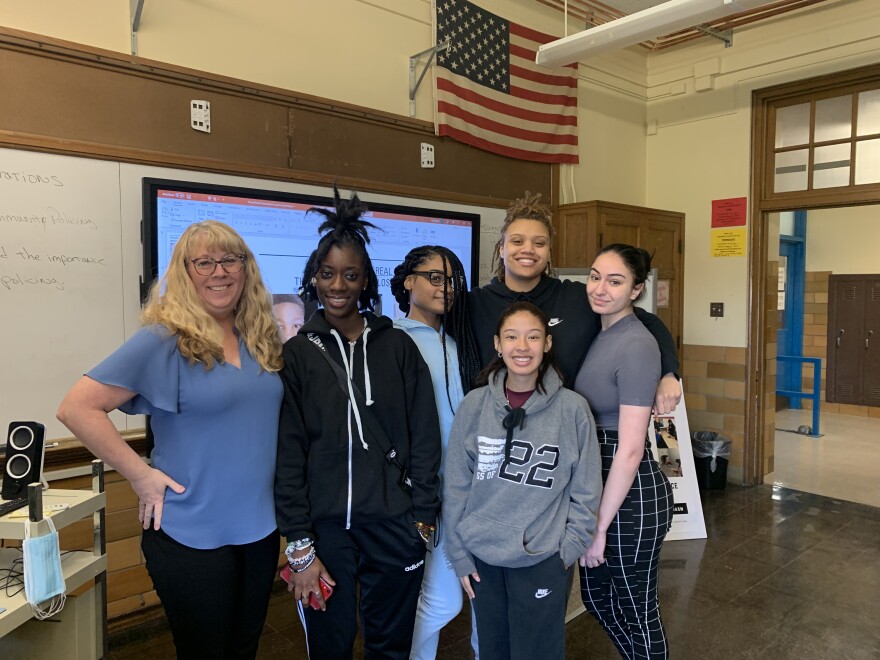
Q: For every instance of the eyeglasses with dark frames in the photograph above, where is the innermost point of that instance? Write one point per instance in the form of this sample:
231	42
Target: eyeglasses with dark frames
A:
436	277
231	263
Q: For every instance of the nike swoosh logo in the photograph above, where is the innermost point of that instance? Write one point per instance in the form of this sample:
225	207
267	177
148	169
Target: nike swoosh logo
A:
553	322
542	593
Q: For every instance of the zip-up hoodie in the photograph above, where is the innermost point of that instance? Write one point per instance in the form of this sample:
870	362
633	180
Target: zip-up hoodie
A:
543	500
573	323
329	467
431	348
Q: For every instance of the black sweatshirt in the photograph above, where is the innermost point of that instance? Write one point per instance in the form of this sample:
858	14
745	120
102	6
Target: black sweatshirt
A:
573	323
324	472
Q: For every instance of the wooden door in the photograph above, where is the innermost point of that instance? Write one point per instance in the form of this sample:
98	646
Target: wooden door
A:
853	374
871	374
663	238
619	226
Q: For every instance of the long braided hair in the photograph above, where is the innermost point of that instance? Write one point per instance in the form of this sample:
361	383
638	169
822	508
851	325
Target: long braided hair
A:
455	321
345	227
527	207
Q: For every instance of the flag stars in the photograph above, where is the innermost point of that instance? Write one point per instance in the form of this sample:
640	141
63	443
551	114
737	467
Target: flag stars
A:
480	49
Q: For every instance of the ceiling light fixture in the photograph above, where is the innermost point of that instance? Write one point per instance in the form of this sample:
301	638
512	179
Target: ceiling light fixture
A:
636	28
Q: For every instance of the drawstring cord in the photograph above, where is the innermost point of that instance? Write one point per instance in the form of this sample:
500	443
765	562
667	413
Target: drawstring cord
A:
514	417
352	403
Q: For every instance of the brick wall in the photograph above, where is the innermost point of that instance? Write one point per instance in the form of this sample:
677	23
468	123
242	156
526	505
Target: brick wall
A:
714	385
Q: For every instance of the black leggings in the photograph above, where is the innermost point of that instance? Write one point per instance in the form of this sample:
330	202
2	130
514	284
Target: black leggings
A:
622	592
215	600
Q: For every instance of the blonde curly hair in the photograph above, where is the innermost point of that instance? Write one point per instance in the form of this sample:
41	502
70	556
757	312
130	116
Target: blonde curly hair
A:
174	303
527	207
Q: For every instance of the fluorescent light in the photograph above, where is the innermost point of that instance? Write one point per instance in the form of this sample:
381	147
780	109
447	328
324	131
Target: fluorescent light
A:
641	26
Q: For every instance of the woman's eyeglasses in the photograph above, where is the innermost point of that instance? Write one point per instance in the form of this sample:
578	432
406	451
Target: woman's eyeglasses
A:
231	264
437	278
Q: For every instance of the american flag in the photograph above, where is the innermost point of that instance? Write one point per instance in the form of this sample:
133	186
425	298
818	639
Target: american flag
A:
492	95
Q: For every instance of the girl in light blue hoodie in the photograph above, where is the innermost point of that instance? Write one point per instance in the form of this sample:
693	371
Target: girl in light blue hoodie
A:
430	287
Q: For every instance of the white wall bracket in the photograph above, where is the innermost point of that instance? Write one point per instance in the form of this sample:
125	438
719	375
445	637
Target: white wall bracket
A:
413	83
136	8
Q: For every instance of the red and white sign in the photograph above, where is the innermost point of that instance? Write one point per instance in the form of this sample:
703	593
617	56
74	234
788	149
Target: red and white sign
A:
729	212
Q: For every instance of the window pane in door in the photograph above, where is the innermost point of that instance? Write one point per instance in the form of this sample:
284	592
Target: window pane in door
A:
869	113
868	161
831	166
833	119
791	171
793	125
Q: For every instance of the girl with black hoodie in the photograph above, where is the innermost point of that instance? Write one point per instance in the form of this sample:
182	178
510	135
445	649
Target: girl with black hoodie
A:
524	273
356	489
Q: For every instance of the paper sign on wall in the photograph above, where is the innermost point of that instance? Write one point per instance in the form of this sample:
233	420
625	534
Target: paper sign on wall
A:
729	242
729	212
662	293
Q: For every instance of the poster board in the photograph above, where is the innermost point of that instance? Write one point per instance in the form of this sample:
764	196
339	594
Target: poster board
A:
676	459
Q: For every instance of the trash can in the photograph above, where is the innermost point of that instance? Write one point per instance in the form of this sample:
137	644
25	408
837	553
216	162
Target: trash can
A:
711	454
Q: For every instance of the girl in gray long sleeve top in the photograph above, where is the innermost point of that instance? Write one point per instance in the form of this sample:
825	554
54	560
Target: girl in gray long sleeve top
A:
521	492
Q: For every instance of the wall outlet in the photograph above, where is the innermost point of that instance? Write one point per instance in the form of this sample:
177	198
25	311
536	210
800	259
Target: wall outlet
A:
427	155
200	115
716	309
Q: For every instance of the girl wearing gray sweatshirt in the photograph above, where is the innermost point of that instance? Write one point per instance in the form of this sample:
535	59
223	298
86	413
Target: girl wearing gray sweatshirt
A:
521	492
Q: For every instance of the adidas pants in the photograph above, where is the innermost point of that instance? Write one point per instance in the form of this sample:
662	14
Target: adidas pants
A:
520	612
387	560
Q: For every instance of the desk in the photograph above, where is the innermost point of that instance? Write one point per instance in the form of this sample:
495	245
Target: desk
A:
87	612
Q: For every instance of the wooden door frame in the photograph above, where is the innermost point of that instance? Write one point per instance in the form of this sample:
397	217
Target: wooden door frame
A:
764	202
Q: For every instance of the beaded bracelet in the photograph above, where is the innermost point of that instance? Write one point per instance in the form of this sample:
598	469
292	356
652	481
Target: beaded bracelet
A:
296	546
311	559
302	560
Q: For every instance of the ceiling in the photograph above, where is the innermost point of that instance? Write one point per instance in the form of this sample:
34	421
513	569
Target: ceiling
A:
596	12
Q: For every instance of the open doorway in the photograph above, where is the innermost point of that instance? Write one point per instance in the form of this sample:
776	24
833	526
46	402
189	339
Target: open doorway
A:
815	146
835	452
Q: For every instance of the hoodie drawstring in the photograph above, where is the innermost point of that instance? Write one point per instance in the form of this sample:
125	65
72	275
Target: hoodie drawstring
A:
369	388
352	403
514	417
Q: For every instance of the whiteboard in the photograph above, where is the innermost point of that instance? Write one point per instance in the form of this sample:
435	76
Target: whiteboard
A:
70	265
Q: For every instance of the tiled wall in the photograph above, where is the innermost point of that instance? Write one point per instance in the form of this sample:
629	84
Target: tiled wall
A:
816	343
714	386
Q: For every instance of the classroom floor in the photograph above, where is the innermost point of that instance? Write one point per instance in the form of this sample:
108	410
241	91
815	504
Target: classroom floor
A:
784	574
842	463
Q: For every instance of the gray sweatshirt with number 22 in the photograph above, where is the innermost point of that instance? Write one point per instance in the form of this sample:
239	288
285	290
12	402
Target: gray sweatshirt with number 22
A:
519	505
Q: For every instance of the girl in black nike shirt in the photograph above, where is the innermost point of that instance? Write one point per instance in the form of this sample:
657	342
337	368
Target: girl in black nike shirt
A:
523	272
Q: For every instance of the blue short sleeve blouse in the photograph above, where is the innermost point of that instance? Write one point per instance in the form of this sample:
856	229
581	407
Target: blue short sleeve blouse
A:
216	433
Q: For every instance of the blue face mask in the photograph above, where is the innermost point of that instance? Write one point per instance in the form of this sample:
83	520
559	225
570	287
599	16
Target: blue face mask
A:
43	579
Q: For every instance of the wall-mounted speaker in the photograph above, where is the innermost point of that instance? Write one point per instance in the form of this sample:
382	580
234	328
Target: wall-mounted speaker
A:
24	458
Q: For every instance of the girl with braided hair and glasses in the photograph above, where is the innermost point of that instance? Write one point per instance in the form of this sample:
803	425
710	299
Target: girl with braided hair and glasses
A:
430	288
524	272
356	489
